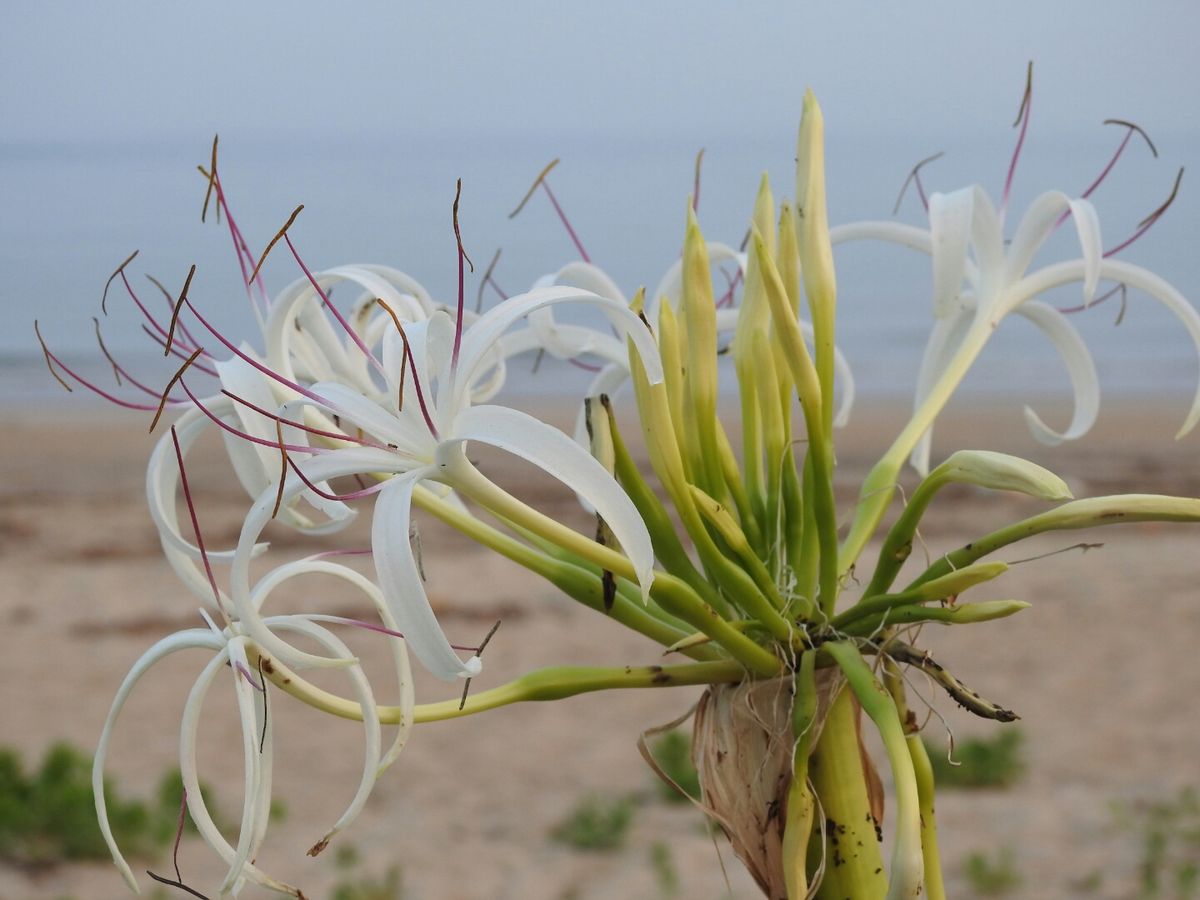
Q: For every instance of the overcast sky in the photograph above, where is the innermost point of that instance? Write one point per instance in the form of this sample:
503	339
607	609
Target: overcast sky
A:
148	69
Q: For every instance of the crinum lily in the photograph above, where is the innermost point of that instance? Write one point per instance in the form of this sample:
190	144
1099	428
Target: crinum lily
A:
233	649
438	361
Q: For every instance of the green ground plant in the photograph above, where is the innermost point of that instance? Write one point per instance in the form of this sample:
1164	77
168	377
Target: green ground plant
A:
1168	833
597	823
991	875
983	762
673	754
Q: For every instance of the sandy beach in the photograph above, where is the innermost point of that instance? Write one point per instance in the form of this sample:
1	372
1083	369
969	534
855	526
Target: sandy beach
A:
1107	700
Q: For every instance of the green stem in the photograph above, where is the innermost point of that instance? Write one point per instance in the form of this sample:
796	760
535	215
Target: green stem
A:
544	684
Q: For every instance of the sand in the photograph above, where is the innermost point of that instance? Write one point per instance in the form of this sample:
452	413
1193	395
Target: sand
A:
1100	669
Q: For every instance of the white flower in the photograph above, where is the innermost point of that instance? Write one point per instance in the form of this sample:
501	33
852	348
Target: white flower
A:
233	649
437	365
977	281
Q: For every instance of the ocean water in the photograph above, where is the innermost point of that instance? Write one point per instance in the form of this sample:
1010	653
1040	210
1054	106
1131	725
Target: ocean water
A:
72	212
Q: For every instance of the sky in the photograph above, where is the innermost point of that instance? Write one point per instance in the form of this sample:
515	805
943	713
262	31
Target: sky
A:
367	112
147	70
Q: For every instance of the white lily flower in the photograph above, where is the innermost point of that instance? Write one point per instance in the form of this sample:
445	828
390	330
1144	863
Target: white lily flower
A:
423	441
978	281
231	646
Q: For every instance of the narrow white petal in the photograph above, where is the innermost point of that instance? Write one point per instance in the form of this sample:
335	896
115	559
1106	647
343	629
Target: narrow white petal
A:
401	582
182	640
358	460
950	233
197	809
1136	277
397	646
486	331
1080	368
1040	221
558	455
243	692
366	699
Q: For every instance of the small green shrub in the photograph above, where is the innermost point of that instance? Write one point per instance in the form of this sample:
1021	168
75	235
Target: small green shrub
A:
49	816
991	877
982	762
389	888
663	865
1169	834
673	753
596	824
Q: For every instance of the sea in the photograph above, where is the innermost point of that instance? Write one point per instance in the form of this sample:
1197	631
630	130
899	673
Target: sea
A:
72	211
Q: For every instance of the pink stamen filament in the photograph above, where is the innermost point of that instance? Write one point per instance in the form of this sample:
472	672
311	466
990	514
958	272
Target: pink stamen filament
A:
187	496
380	629
1023	120
111	398
1116	289
583	254
154	322
727	298
336	435
352	495
245	673
354	336
1147	223
240	248
274	445
254	363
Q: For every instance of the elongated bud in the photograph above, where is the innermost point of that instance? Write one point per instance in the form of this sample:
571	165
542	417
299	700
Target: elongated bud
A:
816	251
958	581
1003	472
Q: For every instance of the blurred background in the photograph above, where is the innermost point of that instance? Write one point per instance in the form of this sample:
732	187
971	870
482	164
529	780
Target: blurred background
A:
367	113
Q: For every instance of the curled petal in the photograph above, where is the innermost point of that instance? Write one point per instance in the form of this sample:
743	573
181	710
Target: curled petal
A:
252	762
402	584
1040	221
558	455
1136	277
197	808
366	699
1080	368
182	640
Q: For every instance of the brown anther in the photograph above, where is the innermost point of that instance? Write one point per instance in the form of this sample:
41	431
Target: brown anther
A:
457	232
696	181
283	467
478	652
318	847
483	282
1136	128
50	362
176	884
1154	216
108	284
915	175
103	349
275	240
1027	96
175	312
162	403
212	183
407	350
533	187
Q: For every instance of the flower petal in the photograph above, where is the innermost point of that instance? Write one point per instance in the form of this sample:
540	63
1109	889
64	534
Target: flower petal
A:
366	699
950	218
558	455
1136	277
1040	221
402	584
1080	367
181	640
945	337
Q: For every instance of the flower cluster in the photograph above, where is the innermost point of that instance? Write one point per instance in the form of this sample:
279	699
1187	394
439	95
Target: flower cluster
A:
737	565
